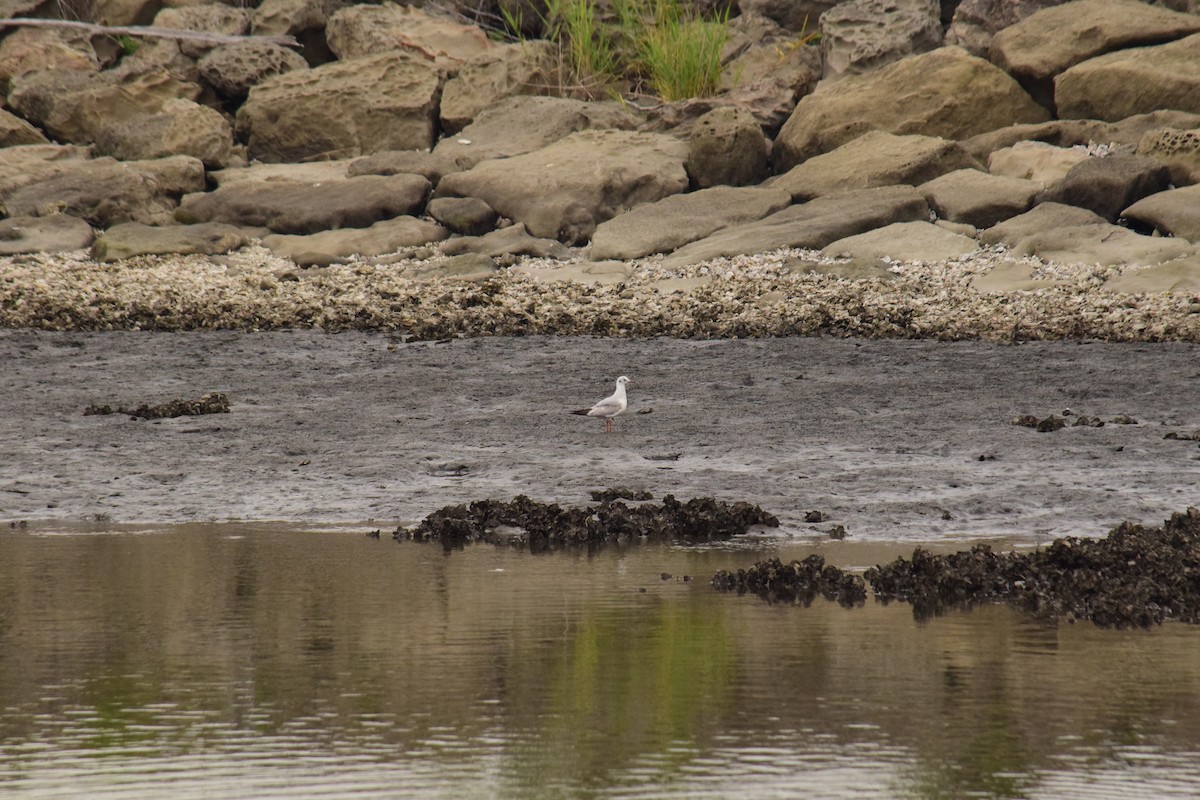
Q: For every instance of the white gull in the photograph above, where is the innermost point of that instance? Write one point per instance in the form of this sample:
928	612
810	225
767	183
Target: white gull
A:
610	406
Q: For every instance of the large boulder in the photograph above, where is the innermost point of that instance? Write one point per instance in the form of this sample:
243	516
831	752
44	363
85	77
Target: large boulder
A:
25	50
727	148
1181	275
1040	219
1051	41
469	216
506	242
182	127
366	30
1072	132
771	70
233	69
1101	244
16	131
1178	149
565	189
131	239
49	234
1175	212
300	207
903	241
1128	82
862	35
875	159
672	222
946	92
975	22
206	18
1109	185
347	108
504	71
977	198
333	246
1040	162
22	165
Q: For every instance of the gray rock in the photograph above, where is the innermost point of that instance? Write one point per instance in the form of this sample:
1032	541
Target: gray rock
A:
874	159
469	216
347	108
904	241
1178	149
861	35
672	222
182	127
1108	185
300	208
519	68
131	239
1136	81
513	241
1043	217
977	198
727	148
233	69
811	225
49	234
1175	212
334	246
404	162
1101	244
565	189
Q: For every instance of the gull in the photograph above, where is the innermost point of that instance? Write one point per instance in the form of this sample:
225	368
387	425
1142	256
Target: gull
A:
610	406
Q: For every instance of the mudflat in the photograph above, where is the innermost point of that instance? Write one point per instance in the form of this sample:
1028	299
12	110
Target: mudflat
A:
894	440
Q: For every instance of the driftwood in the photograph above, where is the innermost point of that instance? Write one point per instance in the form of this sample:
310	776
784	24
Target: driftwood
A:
148	31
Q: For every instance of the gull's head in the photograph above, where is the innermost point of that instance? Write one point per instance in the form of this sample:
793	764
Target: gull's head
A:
621	381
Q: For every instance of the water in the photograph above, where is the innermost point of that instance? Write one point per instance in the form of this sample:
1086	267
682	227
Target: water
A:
239	661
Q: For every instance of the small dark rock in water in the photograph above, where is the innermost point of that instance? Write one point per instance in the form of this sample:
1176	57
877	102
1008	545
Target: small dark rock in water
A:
798	582
837	532
1134	577
373	534
211	403
620	493
546	525
666	576
815	516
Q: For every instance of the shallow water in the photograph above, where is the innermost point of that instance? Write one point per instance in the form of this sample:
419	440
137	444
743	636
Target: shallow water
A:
240	661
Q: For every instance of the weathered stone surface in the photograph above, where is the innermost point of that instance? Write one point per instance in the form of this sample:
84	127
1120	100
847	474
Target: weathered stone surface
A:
333	246
793	15
904	241
975	22
672	222
295	17
1042	163
465	267
875	159
1128	82
232	70
314	172
209	18
773	68
131	239
48	234
862	35
76	106
1052	40
1178	149
589	273
342	109
1011	276
469	216
522	68
1102	244
727	148
400	162
946	92
1180	275
1071	132
299	207
106	192
513	241
1175	212
517	125
25	50
182	127
565	189
810	225
16	131
367	30
977	198
22	165
1041	218
124	12
1108	185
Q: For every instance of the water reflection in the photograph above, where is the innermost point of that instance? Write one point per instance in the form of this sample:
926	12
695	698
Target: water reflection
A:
234	661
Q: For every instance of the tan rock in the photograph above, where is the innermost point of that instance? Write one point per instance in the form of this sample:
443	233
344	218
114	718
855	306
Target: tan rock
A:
727	148
522	68
1178	149
49	234
25	50
977	198
1129	82
1101	244
1040	162
904	241
1181	275
233	69
862	35
332	246
182	127
1041	218
1175	212
131	239
365	30
1012	276
16	131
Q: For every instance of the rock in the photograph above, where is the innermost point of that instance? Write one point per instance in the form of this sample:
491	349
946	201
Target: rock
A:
232	70
513	241
875	159
465	267
1102	244
516	125
1055	39
904	241
1136	81
469	216
1175	212
1043	217
314	172
49	234
800	16
946	92
1071	132
861	35
1011	276
811	225
22	165
1178	149
208	18
1108	185
24	50
858	269
977	198
772	70
975	22
303	19
76	106
106	192
727	148
565	189
16	131
300	207
672	222
342	109
182	127
402	162
589	273
131	239
367	30
334	246
1042	163
507	70
123	12
1181	275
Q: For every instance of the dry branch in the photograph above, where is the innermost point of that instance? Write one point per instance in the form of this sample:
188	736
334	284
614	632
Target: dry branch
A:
148	31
